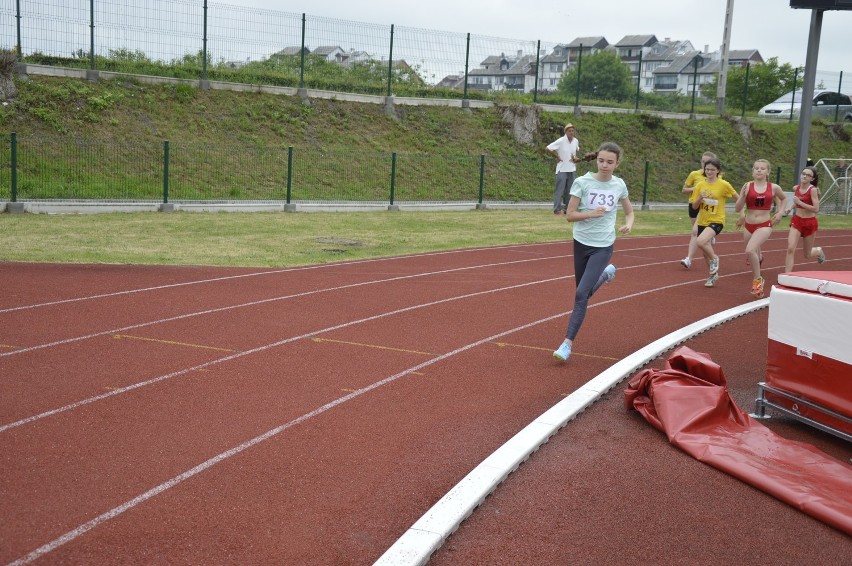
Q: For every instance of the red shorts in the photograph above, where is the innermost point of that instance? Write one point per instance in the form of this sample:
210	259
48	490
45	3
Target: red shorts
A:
805	226
752	227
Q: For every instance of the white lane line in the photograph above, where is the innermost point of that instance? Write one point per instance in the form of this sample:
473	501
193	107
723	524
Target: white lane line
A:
116	511
429	532
257	274
263	348
263	301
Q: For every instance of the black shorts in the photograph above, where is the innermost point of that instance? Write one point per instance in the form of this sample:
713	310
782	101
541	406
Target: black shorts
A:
693	212
715	227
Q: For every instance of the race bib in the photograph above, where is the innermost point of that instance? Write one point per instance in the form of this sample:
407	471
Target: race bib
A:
711	201
601	198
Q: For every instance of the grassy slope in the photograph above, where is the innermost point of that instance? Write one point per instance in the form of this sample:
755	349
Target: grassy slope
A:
210	128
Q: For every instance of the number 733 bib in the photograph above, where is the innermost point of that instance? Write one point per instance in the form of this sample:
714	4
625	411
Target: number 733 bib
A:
601	198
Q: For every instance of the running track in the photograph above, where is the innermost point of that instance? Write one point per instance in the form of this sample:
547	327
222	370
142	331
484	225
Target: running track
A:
177	415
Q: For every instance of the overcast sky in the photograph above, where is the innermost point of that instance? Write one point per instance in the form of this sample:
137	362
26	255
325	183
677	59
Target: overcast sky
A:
770	26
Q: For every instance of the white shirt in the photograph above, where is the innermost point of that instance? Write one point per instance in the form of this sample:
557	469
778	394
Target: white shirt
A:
566	150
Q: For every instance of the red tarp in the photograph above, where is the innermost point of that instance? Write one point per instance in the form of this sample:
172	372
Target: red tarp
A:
689	401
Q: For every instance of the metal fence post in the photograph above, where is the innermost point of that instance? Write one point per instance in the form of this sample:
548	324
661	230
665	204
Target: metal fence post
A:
837	107
645	186
745	89
204	46
390	63
302	56
537	63
14	167
579	78
92	34
638	81
165	172
793	98
289	173
694	85
18	18
778	177
466	63
393	177
481	178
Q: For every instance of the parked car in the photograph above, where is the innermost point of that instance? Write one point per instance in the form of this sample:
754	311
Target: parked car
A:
824	106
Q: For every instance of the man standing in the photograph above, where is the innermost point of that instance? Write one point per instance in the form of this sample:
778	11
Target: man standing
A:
564	149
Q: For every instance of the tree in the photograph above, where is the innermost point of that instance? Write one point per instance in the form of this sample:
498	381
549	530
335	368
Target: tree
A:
766	82
604	77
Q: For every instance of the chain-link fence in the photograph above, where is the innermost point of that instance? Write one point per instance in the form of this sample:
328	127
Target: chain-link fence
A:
210	41
66	167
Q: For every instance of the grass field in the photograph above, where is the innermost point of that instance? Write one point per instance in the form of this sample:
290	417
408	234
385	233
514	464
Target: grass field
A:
291	239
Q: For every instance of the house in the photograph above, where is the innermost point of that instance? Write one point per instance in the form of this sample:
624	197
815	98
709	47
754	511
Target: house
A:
331	53
633	48
663	54
452	81
679	75
742	57
499	72
588	46
552	66
292	51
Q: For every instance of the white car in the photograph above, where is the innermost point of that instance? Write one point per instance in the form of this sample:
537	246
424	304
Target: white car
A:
825	105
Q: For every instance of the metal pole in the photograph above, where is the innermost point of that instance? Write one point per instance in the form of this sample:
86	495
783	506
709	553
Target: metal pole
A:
837	107
645	187
92	34
793	99
302	53
393	177
18	17
14	167
166	172
204	46
579	77
390	64
638	81
745	89
537	63
694	84
723	75
481	177
289	173
466	61
808	91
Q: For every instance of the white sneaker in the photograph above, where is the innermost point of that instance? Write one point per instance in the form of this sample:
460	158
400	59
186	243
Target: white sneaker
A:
821	257
713	241
608	273
714	266
563	352
686	263
711	281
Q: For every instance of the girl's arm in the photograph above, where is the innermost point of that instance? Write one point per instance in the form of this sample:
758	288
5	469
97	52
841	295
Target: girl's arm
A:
573	215
815	199
738	207
629	217
780	204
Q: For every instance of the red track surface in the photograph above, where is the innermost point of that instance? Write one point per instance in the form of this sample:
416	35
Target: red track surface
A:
204	415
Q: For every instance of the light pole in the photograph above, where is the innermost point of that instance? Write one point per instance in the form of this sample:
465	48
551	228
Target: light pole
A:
723	74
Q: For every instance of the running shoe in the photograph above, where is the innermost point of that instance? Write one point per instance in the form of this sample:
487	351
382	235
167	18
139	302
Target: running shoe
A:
608	273
711	281
821	256
757	287
563	352
686	263
713	241
714	266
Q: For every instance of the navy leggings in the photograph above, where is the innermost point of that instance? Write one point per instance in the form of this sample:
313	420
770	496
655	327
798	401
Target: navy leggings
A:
589	264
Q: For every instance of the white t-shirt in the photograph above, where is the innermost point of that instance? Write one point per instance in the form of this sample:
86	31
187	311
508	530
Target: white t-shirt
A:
597	232
566	150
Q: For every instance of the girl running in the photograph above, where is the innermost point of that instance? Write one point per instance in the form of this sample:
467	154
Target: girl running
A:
757	198
804	224
713	192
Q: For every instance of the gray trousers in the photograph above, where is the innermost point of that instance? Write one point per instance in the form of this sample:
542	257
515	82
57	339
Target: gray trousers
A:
561	194
589	264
